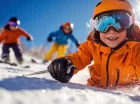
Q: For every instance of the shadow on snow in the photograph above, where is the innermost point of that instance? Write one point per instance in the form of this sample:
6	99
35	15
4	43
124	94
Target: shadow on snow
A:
32	83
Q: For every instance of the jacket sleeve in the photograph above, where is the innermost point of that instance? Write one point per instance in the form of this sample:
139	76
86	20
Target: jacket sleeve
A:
24	33
2	36
82	57
53	34
136	55
73	39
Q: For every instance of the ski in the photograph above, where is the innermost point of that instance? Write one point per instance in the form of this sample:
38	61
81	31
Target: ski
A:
36	62
12	64
27	66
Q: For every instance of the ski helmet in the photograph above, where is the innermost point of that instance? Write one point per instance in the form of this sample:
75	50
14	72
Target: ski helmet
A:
14	21
68	25
114	5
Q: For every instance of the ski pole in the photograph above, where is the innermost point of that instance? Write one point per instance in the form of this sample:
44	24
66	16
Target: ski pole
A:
44	47
33	44
35	73
47	71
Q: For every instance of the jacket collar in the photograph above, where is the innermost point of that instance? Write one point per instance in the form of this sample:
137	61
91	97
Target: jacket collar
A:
126	47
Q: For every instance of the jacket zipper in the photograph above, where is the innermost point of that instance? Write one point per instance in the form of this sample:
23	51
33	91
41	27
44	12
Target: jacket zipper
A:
118	77
107	65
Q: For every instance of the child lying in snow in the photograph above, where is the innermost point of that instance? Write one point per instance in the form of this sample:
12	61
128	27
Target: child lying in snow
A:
115	52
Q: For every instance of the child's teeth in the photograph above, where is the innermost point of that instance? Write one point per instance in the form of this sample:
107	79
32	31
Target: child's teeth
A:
113	38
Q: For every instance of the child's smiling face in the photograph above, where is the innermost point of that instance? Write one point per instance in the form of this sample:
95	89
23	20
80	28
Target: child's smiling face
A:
113	38
13	28
67	31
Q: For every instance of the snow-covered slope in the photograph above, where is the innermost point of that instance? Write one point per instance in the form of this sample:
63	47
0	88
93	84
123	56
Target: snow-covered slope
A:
42	89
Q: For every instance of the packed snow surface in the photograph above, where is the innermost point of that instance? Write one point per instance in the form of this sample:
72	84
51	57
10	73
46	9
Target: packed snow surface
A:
15	88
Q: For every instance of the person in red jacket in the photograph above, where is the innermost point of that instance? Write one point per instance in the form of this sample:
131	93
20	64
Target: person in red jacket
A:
10	38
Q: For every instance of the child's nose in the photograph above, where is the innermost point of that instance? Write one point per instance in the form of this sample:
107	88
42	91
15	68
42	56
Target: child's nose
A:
111	30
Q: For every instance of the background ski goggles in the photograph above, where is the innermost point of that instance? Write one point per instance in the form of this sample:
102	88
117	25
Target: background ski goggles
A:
120	21
13	23
68	27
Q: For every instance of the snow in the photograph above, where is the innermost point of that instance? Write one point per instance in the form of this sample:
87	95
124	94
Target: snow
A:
42	89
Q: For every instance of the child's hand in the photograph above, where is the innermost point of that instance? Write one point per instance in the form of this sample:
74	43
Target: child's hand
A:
77	44
61	69
49	39
29	38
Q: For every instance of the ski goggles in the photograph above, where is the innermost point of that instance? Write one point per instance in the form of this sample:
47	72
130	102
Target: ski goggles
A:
119	21
68	27
11	23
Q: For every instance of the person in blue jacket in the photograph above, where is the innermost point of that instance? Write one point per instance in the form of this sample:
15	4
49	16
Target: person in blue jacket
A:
60	38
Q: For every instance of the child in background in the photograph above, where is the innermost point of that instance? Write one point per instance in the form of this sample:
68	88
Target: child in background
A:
10	38
111	46
60	43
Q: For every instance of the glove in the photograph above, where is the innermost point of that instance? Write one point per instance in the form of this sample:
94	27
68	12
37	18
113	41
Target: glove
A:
77	44
49	39
61	69
29	38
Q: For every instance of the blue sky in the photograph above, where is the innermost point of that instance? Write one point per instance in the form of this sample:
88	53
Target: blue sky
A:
40	17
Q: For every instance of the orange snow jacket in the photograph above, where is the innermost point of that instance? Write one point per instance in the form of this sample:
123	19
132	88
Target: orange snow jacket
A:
10	37
111	67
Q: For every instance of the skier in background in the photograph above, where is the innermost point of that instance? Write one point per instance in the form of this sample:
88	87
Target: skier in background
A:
10	38
60	42
111	45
